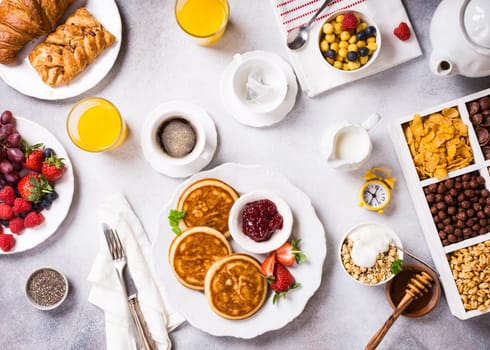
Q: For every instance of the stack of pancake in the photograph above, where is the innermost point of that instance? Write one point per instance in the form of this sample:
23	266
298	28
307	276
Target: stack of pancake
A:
202	258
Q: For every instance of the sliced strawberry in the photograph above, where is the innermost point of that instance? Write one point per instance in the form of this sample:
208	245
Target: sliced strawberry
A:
284	281
289	252
267	268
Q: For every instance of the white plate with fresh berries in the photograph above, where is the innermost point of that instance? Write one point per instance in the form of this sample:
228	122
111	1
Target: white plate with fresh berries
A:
193	305
36	190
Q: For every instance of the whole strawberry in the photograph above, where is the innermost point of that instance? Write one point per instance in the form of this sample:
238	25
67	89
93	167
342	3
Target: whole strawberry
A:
283	282
34	156
32	187
53	168
6	242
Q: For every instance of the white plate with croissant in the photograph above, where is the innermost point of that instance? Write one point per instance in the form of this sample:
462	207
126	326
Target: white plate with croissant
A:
59	49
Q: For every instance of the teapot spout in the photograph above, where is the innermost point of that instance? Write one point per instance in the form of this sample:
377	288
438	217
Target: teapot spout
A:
441	67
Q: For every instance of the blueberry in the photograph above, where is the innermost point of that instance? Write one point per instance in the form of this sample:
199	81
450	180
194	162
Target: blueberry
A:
331	54
48	152
45	203
370	31
361	35
51	196
4	223
363	51
23	215
37	207
352	55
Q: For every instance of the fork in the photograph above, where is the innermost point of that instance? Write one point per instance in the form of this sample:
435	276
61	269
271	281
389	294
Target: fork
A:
119	262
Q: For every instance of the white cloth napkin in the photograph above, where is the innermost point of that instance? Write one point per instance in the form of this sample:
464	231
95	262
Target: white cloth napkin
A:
308	63
106	291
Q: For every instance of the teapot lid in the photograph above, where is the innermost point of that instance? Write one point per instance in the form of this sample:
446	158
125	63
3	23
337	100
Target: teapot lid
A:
477	22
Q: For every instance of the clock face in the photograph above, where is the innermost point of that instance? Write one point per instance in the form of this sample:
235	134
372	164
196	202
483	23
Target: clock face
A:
375	195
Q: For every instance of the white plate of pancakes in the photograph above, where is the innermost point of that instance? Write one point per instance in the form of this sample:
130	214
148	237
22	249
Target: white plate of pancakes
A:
23	77
193	304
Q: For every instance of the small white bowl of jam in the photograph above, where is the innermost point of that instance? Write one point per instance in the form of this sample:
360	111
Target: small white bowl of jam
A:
260	221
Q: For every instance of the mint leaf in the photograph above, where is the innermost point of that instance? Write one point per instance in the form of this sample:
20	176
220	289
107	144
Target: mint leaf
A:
396	266
174	218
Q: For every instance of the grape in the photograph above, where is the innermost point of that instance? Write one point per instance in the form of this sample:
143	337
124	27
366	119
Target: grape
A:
12	177
3	153
15	155
6	167
9	128
3	133
17	166
14	139
6	117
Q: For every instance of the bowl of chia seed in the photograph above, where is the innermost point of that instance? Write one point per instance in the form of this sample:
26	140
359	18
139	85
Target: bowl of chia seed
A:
46	288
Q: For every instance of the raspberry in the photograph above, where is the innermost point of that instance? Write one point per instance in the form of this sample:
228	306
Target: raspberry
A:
7	195
402	32
21	206
16	225
33	219
6	211
6	242
349	22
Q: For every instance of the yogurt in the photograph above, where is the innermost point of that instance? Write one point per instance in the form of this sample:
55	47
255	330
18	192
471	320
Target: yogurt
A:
368	241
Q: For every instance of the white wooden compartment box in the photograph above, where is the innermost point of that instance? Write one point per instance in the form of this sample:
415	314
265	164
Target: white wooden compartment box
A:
416	188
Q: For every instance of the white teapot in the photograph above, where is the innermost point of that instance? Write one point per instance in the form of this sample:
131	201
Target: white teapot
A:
460	37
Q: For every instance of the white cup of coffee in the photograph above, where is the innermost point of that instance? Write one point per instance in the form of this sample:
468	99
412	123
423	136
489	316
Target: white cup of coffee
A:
178	138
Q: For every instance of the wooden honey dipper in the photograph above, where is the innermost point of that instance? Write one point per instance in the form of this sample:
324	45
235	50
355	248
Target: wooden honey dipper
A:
418	285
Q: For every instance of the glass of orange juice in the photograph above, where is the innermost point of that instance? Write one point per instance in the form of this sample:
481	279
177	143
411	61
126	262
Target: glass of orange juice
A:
204	20
94	124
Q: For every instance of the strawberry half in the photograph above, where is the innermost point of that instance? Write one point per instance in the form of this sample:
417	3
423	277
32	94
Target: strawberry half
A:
283	282
267	268
32	187
289	252
53	168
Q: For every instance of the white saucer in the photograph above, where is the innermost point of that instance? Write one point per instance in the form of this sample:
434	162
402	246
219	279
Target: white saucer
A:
246	116
188	165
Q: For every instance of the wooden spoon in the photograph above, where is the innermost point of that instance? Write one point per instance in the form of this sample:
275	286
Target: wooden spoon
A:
418	285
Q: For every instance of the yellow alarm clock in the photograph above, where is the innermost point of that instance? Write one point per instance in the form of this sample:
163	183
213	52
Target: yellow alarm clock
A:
375	194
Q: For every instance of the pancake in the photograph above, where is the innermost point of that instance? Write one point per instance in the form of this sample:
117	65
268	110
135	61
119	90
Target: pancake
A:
193	252
207	202
234	287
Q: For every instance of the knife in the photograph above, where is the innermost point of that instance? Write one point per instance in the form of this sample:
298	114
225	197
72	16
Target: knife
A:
129	288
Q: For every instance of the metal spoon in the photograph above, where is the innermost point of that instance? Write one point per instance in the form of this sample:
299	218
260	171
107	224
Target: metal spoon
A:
299	35
418	259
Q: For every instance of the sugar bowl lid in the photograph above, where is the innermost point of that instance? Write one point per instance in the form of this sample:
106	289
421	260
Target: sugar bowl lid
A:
476	21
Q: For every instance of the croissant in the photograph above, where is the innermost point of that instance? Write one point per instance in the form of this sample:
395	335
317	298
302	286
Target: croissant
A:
74	45
23	20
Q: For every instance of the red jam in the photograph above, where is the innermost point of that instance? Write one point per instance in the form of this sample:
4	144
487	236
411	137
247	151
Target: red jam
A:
260	219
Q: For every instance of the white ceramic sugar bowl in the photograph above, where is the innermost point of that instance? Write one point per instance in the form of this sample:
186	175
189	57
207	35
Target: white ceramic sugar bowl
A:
460	37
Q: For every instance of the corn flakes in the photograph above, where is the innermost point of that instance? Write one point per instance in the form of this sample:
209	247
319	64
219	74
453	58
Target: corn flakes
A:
438	143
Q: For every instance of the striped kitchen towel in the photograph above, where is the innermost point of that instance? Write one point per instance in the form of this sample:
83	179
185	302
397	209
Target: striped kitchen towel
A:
308	63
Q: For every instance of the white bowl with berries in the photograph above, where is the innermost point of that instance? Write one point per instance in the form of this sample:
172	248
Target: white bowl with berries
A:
260	221
349	41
